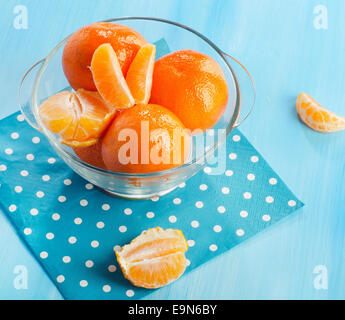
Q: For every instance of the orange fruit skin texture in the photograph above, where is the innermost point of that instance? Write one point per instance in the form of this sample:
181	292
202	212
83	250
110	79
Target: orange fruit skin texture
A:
317	117
157	118
81	45
155	258
193	86
91	155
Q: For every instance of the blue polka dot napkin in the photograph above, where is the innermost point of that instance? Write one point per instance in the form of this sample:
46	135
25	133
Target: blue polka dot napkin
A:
72	227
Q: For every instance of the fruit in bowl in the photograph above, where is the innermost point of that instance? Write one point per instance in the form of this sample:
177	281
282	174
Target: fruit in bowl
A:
128	112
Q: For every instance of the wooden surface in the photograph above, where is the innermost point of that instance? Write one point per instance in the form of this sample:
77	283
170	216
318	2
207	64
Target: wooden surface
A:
281	45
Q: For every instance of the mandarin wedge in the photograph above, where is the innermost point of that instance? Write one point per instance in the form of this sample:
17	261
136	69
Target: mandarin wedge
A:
79	118
316	116
108	78
139	75
155	258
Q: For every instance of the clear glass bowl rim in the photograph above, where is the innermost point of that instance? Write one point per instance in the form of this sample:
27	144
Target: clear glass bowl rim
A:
122	175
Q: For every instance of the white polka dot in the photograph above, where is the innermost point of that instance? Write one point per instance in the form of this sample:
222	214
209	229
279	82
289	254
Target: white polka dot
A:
27	231
273	181
150	214
232	156
83	283
12	208
9	151
251	177
292	203
269	199
111	268
36	140
50	235
45	177
172	219
266	217
51	160
247	195
203	187
18	189
199	204
20	118
62	199
34	212
60	278
128	211
78	220
195	224
187	262
24	173
229	173
236	138
221	209
39	194
254	159
3	167
55	216
240	232
155	199
14	135
105	207
191	243
67	182
244	214
72	240
182	185
89	186
213	247
89	264
83	202
44	254
129	293
217	228
66	259
100	225
122	229
30	157
106	288
225	190
94	244
207	170
177	201
117	248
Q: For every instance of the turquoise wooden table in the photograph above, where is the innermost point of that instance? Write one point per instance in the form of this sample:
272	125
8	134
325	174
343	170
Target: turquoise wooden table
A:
289	47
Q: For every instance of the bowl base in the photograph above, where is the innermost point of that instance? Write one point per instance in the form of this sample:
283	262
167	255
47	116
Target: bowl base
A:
137	196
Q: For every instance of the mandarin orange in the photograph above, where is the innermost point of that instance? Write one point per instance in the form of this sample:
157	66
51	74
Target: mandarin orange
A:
82	44
155	258
192	85
145	138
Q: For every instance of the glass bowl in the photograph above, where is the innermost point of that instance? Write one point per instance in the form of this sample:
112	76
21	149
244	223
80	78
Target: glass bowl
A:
46	78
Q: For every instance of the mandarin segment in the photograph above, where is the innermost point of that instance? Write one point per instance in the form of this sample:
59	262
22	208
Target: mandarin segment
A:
79	118
193	86
109	79
155	258
316	116
91	154
81	45
139	75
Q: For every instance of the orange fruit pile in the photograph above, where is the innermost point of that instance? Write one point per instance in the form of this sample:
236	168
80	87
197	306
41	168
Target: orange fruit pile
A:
316	116
155	258
120	87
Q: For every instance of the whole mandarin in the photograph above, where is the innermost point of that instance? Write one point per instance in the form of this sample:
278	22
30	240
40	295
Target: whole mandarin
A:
145	138
80	47
192	85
